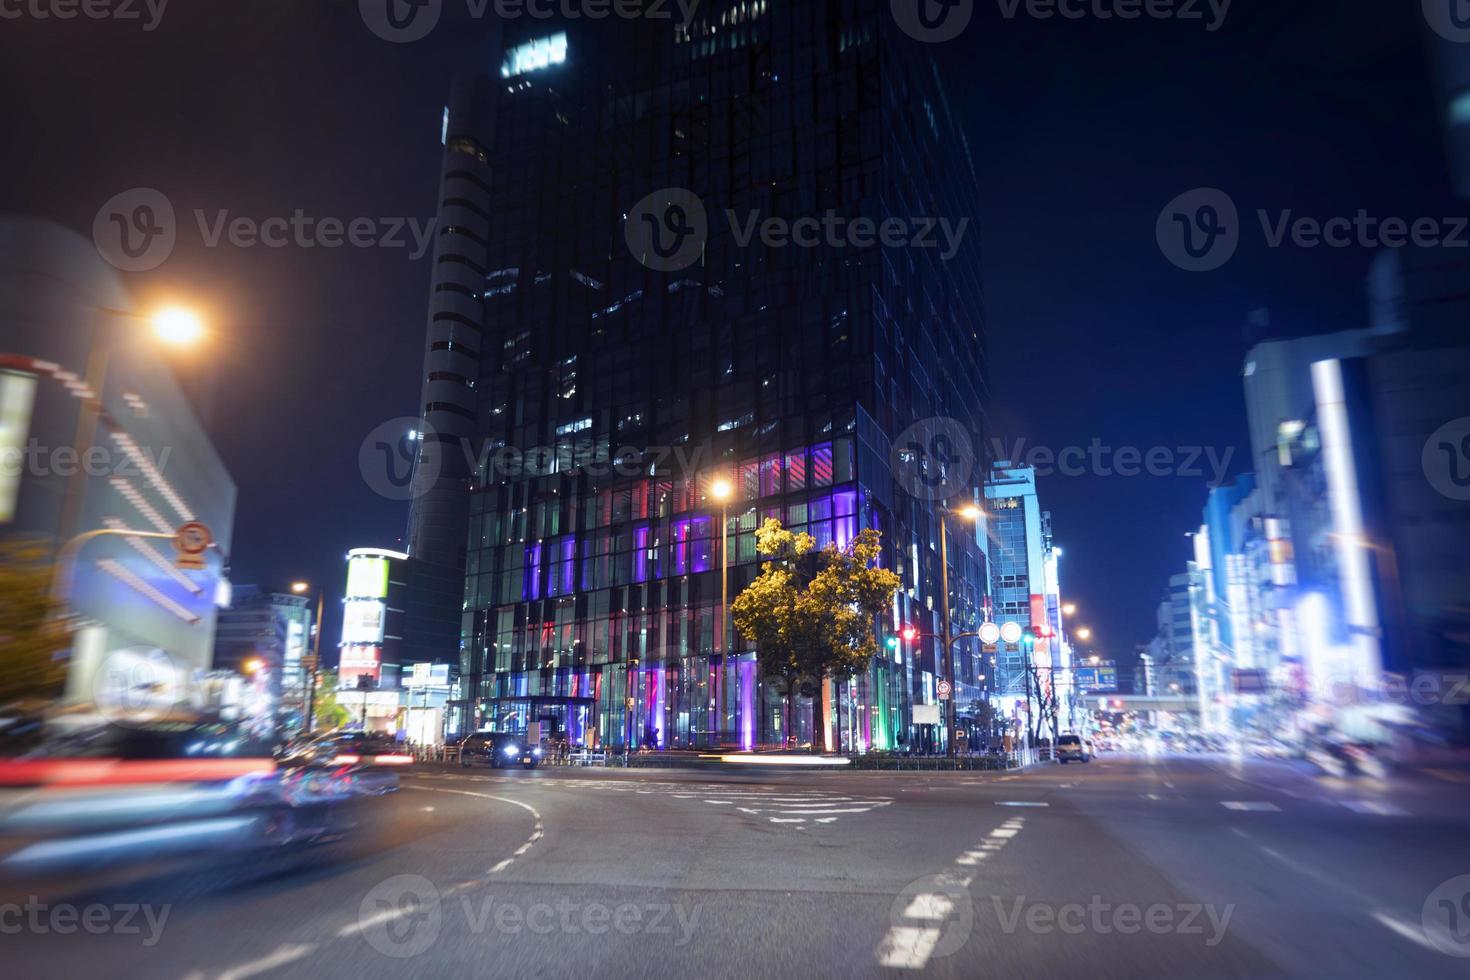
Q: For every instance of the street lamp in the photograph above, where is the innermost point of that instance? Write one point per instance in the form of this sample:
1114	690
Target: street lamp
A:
175	326
301	588
1084	634
969	512
1069	609
723	491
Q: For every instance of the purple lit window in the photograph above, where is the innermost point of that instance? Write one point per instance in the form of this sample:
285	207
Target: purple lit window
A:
822	465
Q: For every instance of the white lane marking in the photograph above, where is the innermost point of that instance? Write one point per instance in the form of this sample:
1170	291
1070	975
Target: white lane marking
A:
1376	808
538	830
282	956
1411	933
1250	806
1021	803
907	947
929	906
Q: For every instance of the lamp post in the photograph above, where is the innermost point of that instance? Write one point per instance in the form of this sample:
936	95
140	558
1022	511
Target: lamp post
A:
301	588
970	513
722	491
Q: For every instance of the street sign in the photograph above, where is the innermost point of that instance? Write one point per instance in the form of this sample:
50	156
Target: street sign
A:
191	541
989	634
945	689
1011	632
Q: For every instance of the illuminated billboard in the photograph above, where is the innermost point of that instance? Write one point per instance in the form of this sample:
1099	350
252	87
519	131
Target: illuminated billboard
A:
362	622
367	577
17	396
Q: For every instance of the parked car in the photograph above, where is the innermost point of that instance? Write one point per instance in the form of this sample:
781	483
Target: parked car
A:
1073	748
499	749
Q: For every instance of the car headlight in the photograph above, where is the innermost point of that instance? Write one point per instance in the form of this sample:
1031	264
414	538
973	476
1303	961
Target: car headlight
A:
511	749
536	752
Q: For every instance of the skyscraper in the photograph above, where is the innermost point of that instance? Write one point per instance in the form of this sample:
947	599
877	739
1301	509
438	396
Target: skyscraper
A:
600	392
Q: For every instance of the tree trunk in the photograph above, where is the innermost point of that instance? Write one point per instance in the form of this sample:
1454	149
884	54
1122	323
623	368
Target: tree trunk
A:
819	732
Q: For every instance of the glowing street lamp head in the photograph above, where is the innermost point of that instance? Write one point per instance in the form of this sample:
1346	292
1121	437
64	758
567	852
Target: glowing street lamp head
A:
251	667
971	513
1085	633
721	489
179	326
1069	609
300	587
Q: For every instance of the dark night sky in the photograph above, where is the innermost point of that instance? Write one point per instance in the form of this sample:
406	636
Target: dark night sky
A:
1081	131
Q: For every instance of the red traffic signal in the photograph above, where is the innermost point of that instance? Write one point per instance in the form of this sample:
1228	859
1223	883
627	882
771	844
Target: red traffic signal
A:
909	634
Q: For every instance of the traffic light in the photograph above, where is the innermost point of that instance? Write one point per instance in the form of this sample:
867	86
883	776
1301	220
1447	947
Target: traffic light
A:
910	634
1028	640
893	643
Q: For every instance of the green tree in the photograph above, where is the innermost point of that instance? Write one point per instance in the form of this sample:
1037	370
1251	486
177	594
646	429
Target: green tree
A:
811	613
33	636
327	713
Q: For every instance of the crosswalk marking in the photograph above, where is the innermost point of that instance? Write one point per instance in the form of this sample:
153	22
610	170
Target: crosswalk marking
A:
1252	807
1377	808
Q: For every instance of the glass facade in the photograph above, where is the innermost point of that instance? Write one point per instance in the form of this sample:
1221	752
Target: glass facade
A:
608	397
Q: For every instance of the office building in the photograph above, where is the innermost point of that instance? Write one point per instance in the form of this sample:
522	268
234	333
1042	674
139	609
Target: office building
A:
78	466
601	397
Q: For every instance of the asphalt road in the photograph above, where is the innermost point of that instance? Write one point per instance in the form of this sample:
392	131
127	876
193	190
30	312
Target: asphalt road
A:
1127	867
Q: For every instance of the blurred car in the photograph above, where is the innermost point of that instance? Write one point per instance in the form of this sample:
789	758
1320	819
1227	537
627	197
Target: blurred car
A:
499	749
1073	748
98	803
365	749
